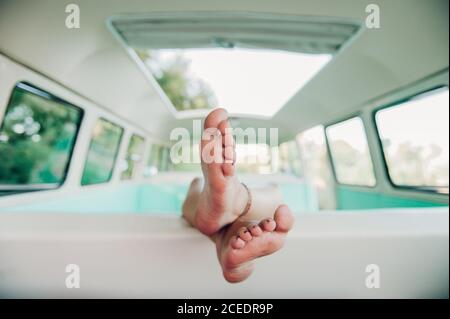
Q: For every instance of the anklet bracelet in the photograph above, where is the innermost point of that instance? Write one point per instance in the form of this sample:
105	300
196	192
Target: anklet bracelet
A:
249	200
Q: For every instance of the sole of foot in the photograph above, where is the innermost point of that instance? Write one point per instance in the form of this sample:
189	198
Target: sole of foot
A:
223	197
245	241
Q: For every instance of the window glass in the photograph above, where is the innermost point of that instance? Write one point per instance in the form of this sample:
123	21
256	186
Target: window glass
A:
415	140
134	156
193	166
289	158
153	161
350	153
164	159
102	153
192	79
317	170
37	137
253	158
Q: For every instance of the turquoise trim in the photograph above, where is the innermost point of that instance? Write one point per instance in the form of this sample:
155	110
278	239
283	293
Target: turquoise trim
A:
350	199
148	199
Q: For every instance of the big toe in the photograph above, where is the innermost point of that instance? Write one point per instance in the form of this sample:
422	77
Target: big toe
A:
215	117
229	154
284	219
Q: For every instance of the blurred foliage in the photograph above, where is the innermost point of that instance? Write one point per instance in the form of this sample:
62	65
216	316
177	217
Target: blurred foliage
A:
158	160
184	90
36	139
416	165
102	153
353	167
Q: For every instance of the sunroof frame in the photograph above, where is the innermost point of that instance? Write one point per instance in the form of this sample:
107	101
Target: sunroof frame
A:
174	17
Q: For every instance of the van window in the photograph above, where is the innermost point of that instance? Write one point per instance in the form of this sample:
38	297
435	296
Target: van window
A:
289	158
415	140
253	158
164	159
134	156
317	170
153	161
102	153
350	153
37	137
192	166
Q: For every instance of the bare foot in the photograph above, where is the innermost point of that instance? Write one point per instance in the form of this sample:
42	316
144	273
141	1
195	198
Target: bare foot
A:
243	241
223	197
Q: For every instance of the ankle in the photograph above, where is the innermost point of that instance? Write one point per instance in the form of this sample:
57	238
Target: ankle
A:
242	201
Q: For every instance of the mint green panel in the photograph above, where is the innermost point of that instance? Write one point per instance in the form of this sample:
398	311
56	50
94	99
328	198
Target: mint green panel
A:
108	200
351	199
148	199
348	199
300	197
161	198
389	201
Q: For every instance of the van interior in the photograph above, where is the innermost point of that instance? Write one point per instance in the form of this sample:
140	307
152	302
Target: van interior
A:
349	100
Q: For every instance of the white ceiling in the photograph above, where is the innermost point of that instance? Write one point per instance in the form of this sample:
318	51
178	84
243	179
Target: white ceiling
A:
411	44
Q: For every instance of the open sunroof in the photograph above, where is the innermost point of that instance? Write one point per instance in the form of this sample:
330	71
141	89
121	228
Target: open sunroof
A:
251	65
245	81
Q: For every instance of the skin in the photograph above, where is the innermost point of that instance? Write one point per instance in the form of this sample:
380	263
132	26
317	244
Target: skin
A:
214	205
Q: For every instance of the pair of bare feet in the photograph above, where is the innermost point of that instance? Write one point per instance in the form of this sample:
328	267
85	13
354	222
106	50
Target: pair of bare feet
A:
215	205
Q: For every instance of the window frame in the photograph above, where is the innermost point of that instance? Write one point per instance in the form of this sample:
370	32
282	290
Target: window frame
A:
144	141
150	156
33	89
332	160
164	161
116	155
292	169
398	102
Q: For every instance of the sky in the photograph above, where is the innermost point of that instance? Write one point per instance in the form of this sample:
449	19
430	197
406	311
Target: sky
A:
251	81
352	131
423	121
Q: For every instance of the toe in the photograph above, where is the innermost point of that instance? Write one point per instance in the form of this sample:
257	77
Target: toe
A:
196	185
237	243
245	234
255	230
268	225
224	127
212	158
284	219
227	133
215	117
228	169
229	158
228	148
211	146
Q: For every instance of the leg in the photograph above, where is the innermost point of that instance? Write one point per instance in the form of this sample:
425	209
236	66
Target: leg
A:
223	198
265	200
214	206
191	202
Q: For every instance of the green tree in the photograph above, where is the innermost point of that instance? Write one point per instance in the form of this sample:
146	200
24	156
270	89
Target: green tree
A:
36	138
185	91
